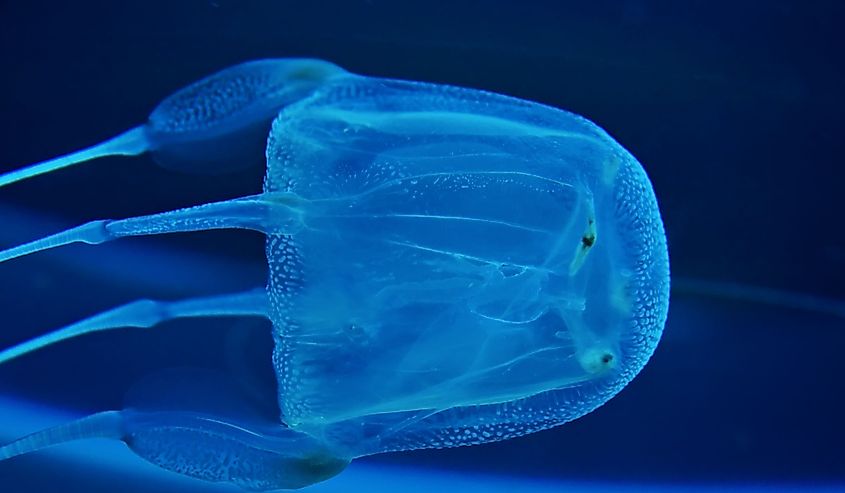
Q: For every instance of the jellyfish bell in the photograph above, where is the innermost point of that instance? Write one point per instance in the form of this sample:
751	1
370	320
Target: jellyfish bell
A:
446	267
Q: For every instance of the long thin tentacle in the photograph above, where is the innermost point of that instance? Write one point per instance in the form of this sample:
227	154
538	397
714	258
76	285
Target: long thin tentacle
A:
129	143
101	425
759	294
277	213
148	313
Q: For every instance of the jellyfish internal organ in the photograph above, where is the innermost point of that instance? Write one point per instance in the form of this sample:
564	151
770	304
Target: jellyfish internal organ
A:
446	267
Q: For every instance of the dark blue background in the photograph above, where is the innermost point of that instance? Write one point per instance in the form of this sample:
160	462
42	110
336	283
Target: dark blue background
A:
734	108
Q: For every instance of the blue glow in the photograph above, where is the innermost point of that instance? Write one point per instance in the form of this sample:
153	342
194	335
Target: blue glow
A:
446	267
213	125
96	465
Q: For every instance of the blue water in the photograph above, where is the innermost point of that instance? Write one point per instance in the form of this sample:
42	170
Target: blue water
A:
734	109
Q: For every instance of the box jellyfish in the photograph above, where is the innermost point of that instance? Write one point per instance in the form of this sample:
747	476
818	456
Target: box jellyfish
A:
445	267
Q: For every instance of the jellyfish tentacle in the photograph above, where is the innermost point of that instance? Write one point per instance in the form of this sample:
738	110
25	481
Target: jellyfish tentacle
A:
279	213
212	125
254	455
130	143
100	425
762	295
147	314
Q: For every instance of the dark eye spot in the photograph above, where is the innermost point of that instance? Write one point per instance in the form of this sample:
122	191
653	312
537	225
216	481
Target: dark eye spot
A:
606	358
